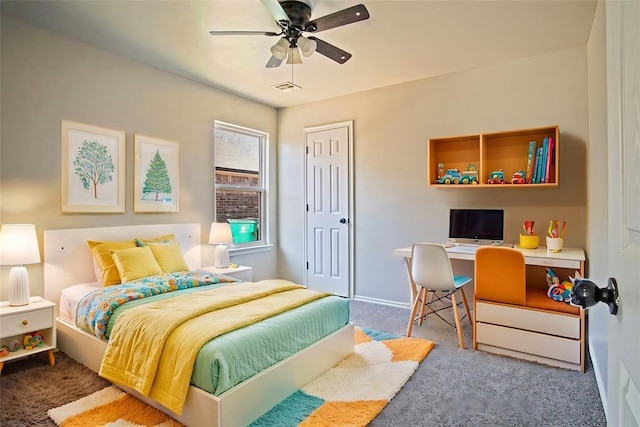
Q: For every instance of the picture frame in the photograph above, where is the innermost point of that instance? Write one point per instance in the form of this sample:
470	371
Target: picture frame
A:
93	169
156	175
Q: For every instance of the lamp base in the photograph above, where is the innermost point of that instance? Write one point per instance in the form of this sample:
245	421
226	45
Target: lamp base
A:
19	286
221	256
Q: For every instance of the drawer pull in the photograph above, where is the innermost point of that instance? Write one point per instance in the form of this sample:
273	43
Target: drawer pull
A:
25	322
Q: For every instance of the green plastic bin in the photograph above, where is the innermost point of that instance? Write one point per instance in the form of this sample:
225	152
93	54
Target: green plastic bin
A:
244	230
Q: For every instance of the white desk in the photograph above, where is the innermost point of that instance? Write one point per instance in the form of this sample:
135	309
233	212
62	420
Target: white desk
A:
572	258
537	334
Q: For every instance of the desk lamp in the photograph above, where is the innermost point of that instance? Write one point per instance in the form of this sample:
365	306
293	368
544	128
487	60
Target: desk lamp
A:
221	235
18	246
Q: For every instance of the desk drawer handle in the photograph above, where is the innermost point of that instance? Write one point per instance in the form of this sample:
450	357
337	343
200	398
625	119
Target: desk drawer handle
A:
25	322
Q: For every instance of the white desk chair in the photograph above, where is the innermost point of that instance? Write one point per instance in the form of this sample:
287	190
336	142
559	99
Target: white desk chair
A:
431	272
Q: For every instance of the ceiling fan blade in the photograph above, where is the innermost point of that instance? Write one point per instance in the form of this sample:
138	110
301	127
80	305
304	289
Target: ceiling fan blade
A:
331	51
274	8
274	62
337	19
244	33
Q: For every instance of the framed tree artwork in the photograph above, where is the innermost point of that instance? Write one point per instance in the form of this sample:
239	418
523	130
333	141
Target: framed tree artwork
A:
93	179
155	175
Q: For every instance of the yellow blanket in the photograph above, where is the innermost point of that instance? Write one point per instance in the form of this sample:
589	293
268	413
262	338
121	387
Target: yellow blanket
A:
152	348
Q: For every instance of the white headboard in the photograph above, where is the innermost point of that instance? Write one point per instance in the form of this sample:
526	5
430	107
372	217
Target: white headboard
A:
68	260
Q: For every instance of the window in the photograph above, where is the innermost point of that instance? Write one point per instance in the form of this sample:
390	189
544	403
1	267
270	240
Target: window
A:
240	177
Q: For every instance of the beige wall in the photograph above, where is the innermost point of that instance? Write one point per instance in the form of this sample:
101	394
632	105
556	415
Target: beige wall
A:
46	78
393	205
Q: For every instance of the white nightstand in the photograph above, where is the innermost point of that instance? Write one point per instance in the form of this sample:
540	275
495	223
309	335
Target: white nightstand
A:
16	322
241	272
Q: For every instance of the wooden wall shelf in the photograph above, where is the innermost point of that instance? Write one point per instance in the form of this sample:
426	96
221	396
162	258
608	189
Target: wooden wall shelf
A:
488	152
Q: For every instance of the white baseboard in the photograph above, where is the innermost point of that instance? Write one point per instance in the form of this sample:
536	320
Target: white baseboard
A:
382	302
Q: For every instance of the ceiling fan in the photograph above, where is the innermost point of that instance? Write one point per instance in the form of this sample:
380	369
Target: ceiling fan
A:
294	18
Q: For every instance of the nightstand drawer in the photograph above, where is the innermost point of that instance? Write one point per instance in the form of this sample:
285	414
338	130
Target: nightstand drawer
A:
23	323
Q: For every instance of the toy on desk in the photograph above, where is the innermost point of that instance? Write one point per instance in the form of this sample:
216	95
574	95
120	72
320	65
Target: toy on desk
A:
518	177
560	291
4	351
496	177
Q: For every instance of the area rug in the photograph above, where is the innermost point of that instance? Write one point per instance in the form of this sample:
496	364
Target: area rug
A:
357	389
350	394
110	407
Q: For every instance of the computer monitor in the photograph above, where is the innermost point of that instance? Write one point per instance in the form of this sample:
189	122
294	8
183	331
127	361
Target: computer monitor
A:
478	226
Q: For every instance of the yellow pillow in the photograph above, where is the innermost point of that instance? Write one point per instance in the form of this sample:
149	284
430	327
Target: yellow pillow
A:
102	253
169	256
135	263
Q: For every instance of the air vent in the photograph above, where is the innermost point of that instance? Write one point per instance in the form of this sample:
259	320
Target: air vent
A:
286	86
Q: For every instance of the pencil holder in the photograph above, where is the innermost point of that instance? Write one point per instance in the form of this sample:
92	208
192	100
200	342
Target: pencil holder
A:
528	241
554	244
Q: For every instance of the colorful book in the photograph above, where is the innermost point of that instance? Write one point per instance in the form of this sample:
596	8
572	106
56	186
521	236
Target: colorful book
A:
550	160
530	161
536	162
543	166
538	170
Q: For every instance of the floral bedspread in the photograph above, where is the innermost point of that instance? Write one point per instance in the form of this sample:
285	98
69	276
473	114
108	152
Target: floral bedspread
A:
95	309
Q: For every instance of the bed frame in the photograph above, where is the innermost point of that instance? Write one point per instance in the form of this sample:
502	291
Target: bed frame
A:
68	261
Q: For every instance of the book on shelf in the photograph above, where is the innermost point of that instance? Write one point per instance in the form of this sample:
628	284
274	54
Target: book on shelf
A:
550	161
530	161
543	165
539	160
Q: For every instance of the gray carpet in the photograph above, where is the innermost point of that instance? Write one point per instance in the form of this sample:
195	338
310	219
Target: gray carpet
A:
451	387
454	387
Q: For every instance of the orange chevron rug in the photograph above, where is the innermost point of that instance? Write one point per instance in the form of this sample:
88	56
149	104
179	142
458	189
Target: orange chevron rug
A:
357	389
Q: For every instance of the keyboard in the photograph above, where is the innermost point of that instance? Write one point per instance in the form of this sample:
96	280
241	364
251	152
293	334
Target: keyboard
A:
463	249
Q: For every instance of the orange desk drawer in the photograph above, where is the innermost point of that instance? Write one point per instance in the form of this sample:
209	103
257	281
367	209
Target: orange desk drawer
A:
546	322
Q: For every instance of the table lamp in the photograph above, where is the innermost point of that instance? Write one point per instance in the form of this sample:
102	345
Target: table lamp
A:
221	235
18	246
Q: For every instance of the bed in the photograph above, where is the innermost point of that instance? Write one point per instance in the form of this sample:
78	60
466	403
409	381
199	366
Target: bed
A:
69	262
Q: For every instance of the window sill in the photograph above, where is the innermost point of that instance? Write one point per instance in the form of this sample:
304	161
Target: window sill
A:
250	249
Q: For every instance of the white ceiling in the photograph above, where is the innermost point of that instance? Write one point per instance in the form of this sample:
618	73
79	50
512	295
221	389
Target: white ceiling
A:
402	40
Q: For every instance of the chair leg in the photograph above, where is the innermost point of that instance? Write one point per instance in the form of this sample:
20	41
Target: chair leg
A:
457	317
466	306
424	306
412	317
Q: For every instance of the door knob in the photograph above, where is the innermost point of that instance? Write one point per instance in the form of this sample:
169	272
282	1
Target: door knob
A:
585	293
343	220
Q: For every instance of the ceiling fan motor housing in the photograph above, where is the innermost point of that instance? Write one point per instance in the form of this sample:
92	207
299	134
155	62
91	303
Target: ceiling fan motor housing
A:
299	12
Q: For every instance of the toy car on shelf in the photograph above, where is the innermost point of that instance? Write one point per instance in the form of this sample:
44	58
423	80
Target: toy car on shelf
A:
469	177
518	177
452	176
496	177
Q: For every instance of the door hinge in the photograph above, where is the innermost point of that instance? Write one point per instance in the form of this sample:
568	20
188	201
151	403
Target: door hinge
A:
307	149
307	207
307	265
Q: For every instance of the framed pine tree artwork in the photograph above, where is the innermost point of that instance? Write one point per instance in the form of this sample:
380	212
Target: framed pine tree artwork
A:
156	184
93	171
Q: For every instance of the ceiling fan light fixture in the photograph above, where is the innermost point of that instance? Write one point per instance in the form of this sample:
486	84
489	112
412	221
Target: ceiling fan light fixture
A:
307	46
294	56
280	49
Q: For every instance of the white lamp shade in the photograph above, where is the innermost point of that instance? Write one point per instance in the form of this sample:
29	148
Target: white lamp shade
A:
307	46
294	56
220	235
19	244
280	49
